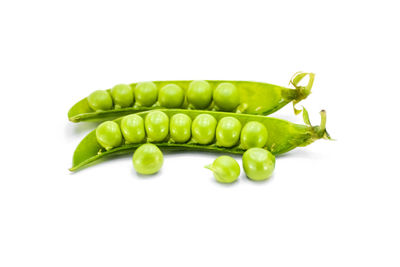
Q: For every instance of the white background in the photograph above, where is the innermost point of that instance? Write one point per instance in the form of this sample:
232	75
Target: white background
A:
329	204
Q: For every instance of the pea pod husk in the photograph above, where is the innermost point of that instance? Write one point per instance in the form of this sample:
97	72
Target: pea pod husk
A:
283	136
255	98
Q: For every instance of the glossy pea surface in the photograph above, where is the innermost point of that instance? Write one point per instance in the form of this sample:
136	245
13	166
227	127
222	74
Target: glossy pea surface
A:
146	94
228	131
157	125
100	100
203	129
226	96
199	94
122	95
108	135
254	134
180	128
258	163
171	96
147	159
225	169
132	128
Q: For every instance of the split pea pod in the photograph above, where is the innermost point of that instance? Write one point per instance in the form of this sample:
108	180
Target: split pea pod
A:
197	130
212	95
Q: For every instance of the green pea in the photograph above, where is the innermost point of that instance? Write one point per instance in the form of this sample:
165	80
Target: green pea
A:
258	163
108	135
180	128
226	96
157	124
254	134
171	96
132	128
225	169
199	94
122	95
100	100
228	131
203	129
146	94
147	159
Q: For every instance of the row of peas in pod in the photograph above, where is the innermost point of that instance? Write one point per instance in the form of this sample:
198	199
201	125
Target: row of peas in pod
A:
199	95
258	163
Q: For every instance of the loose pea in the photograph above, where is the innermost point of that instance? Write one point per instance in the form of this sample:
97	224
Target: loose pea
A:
180	128
258	163
100	100
157	124
199	94
228	131
132	128
109	135
146	94
122	95
147	159
203	129
254	134
226	96
225	169
171	96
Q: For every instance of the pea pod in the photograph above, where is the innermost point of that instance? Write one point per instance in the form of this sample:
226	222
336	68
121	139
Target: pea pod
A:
283	136
216	95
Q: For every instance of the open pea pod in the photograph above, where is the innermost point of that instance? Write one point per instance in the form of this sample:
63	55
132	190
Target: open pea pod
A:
253	98
283	136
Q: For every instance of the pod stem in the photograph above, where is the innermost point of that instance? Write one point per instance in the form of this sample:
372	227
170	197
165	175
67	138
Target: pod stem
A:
302	91
318	131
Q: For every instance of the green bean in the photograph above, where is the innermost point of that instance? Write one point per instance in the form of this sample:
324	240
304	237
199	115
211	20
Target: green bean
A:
225	169
283	136
258	163
147	159
233	96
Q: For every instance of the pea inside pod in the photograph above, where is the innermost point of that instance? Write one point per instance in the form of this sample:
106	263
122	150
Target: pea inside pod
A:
220	95
157	125
132	127
203	129
228	131
180	128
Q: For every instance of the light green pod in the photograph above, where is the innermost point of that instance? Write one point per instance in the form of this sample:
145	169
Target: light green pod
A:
146	94
180	128
258	163
108	135
254	134
147	159
199	94
225	169
226	96
203	129
171	96
100	100
122	95
157	125
132	127
228	131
